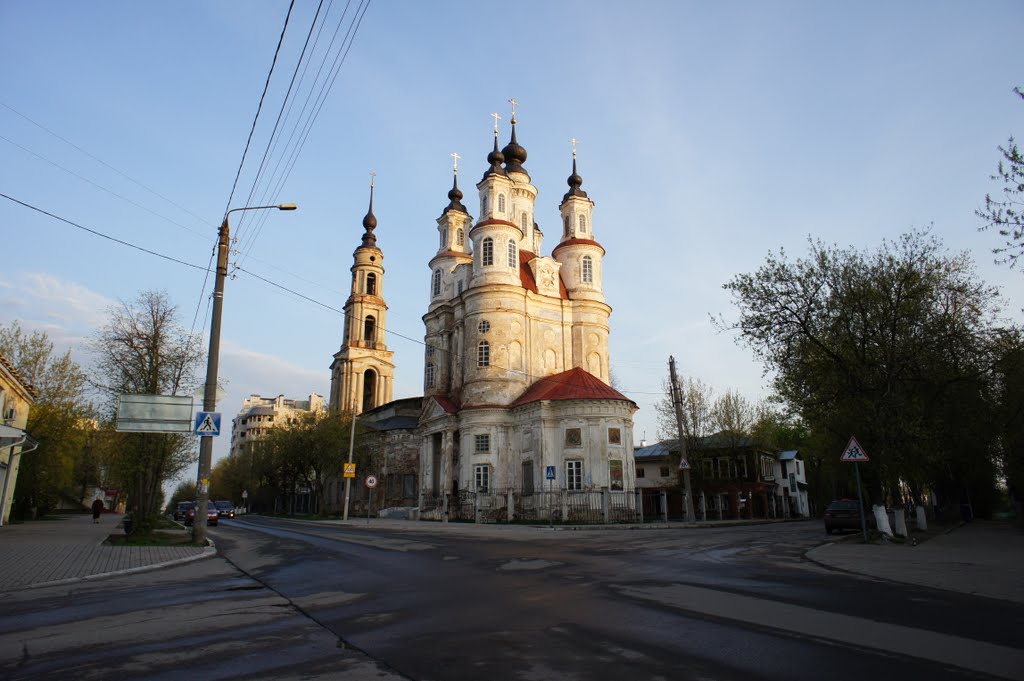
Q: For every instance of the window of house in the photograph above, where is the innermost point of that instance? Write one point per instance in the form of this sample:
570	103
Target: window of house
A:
663	471
583	223
767	469
709	468
511	253
588	269
797	466
482	478
484	326
488	252
742	466
460	237
436	287
573	437
483	354
371	284
430	375
482	443
614	436
639	472
501	203
574	475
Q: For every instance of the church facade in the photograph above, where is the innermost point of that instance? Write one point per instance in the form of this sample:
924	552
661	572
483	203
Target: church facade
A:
516	393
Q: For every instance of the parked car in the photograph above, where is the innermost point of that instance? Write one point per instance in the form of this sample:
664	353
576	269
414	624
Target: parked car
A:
226	509
182	509
844	514
211	516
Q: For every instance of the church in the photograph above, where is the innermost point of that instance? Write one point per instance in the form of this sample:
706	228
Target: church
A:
516	387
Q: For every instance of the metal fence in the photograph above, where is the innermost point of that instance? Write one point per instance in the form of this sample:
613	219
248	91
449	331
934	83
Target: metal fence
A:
559	506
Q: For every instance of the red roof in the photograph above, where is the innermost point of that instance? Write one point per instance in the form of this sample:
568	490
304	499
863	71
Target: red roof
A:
574	384
526	275
446	404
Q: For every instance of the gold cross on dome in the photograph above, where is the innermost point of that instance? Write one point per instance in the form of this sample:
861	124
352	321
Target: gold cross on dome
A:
455	165
573	141
373	174
496	117
513	103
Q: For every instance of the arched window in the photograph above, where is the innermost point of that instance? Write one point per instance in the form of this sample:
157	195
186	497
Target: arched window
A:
483	354
369	389
523	222
371	284
430	376
588	269
568	231
501	203
511	253
460	237
483	206
583	223
488	252
444	238
437	282
370	329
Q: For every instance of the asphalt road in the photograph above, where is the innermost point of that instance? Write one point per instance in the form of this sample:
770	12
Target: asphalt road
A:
301	600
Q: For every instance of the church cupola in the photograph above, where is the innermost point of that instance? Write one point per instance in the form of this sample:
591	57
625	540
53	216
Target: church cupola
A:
580	254
447	279
369	224
514	153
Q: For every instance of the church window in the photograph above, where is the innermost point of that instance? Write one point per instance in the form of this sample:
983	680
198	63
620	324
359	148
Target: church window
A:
488	252
437	282
430	351
370	329
482	478
484	326
369	389
482	443
583	224
371	284
460	236
444	238
574	476
430	376
511	253
568	230
588	269
573	437
523	221
483	354
501	203
460	287
483	205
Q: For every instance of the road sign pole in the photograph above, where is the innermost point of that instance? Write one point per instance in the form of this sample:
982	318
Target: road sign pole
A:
860	502
369	508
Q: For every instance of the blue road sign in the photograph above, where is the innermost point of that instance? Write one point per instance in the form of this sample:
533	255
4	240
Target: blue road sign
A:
207	423
550	475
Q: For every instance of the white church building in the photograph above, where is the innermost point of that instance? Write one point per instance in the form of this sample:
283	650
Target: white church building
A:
516	381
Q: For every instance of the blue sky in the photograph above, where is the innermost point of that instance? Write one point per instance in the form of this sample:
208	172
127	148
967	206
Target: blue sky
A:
710	133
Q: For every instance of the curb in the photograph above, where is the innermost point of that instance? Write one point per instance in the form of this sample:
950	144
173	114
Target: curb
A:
208	552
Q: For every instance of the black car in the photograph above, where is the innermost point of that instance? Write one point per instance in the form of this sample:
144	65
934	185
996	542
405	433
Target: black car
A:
182	509
225	509
844	514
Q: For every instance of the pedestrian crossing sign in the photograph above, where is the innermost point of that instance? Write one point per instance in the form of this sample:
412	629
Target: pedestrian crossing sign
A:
207	423
684	463
854	452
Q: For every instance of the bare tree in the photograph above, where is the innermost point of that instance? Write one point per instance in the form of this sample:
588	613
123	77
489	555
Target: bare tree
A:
142	350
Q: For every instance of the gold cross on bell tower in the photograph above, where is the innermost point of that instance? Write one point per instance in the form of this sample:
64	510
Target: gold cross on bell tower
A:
455	162
513	103
496	118
573	141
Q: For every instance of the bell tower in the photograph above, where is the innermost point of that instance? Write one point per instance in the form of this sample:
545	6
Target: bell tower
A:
362	373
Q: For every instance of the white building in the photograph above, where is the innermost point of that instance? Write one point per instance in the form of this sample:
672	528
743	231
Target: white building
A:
259	414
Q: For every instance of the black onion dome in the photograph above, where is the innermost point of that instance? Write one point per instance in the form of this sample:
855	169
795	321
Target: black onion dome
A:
369	224
495	159
515	155
455	198
575	182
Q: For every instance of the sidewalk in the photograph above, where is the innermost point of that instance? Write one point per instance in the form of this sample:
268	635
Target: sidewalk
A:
69	548
980	558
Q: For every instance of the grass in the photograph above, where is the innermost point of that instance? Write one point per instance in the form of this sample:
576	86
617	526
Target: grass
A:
155	538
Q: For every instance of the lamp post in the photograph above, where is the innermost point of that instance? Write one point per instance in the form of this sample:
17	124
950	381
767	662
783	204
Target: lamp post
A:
212	361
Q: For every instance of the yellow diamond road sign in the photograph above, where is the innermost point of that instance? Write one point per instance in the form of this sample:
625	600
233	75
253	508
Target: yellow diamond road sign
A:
350	470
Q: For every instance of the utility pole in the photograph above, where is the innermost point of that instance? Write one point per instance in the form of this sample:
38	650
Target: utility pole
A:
212	362
677	402
351	446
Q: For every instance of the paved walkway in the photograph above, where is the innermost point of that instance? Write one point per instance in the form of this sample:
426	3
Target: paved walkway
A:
979	558
70	548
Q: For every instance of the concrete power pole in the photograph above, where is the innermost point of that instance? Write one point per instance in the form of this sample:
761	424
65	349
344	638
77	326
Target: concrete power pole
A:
677	403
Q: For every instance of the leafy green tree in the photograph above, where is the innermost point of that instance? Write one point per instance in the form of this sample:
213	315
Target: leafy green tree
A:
1005	212
58	419
143	350
893	345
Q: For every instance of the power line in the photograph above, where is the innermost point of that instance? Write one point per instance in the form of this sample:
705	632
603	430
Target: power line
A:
101	234
259	108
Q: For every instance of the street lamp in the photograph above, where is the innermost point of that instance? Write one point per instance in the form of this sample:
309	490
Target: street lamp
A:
212	359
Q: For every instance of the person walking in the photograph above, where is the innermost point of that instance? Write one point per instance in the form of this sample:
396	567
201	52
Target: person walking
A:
97	508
